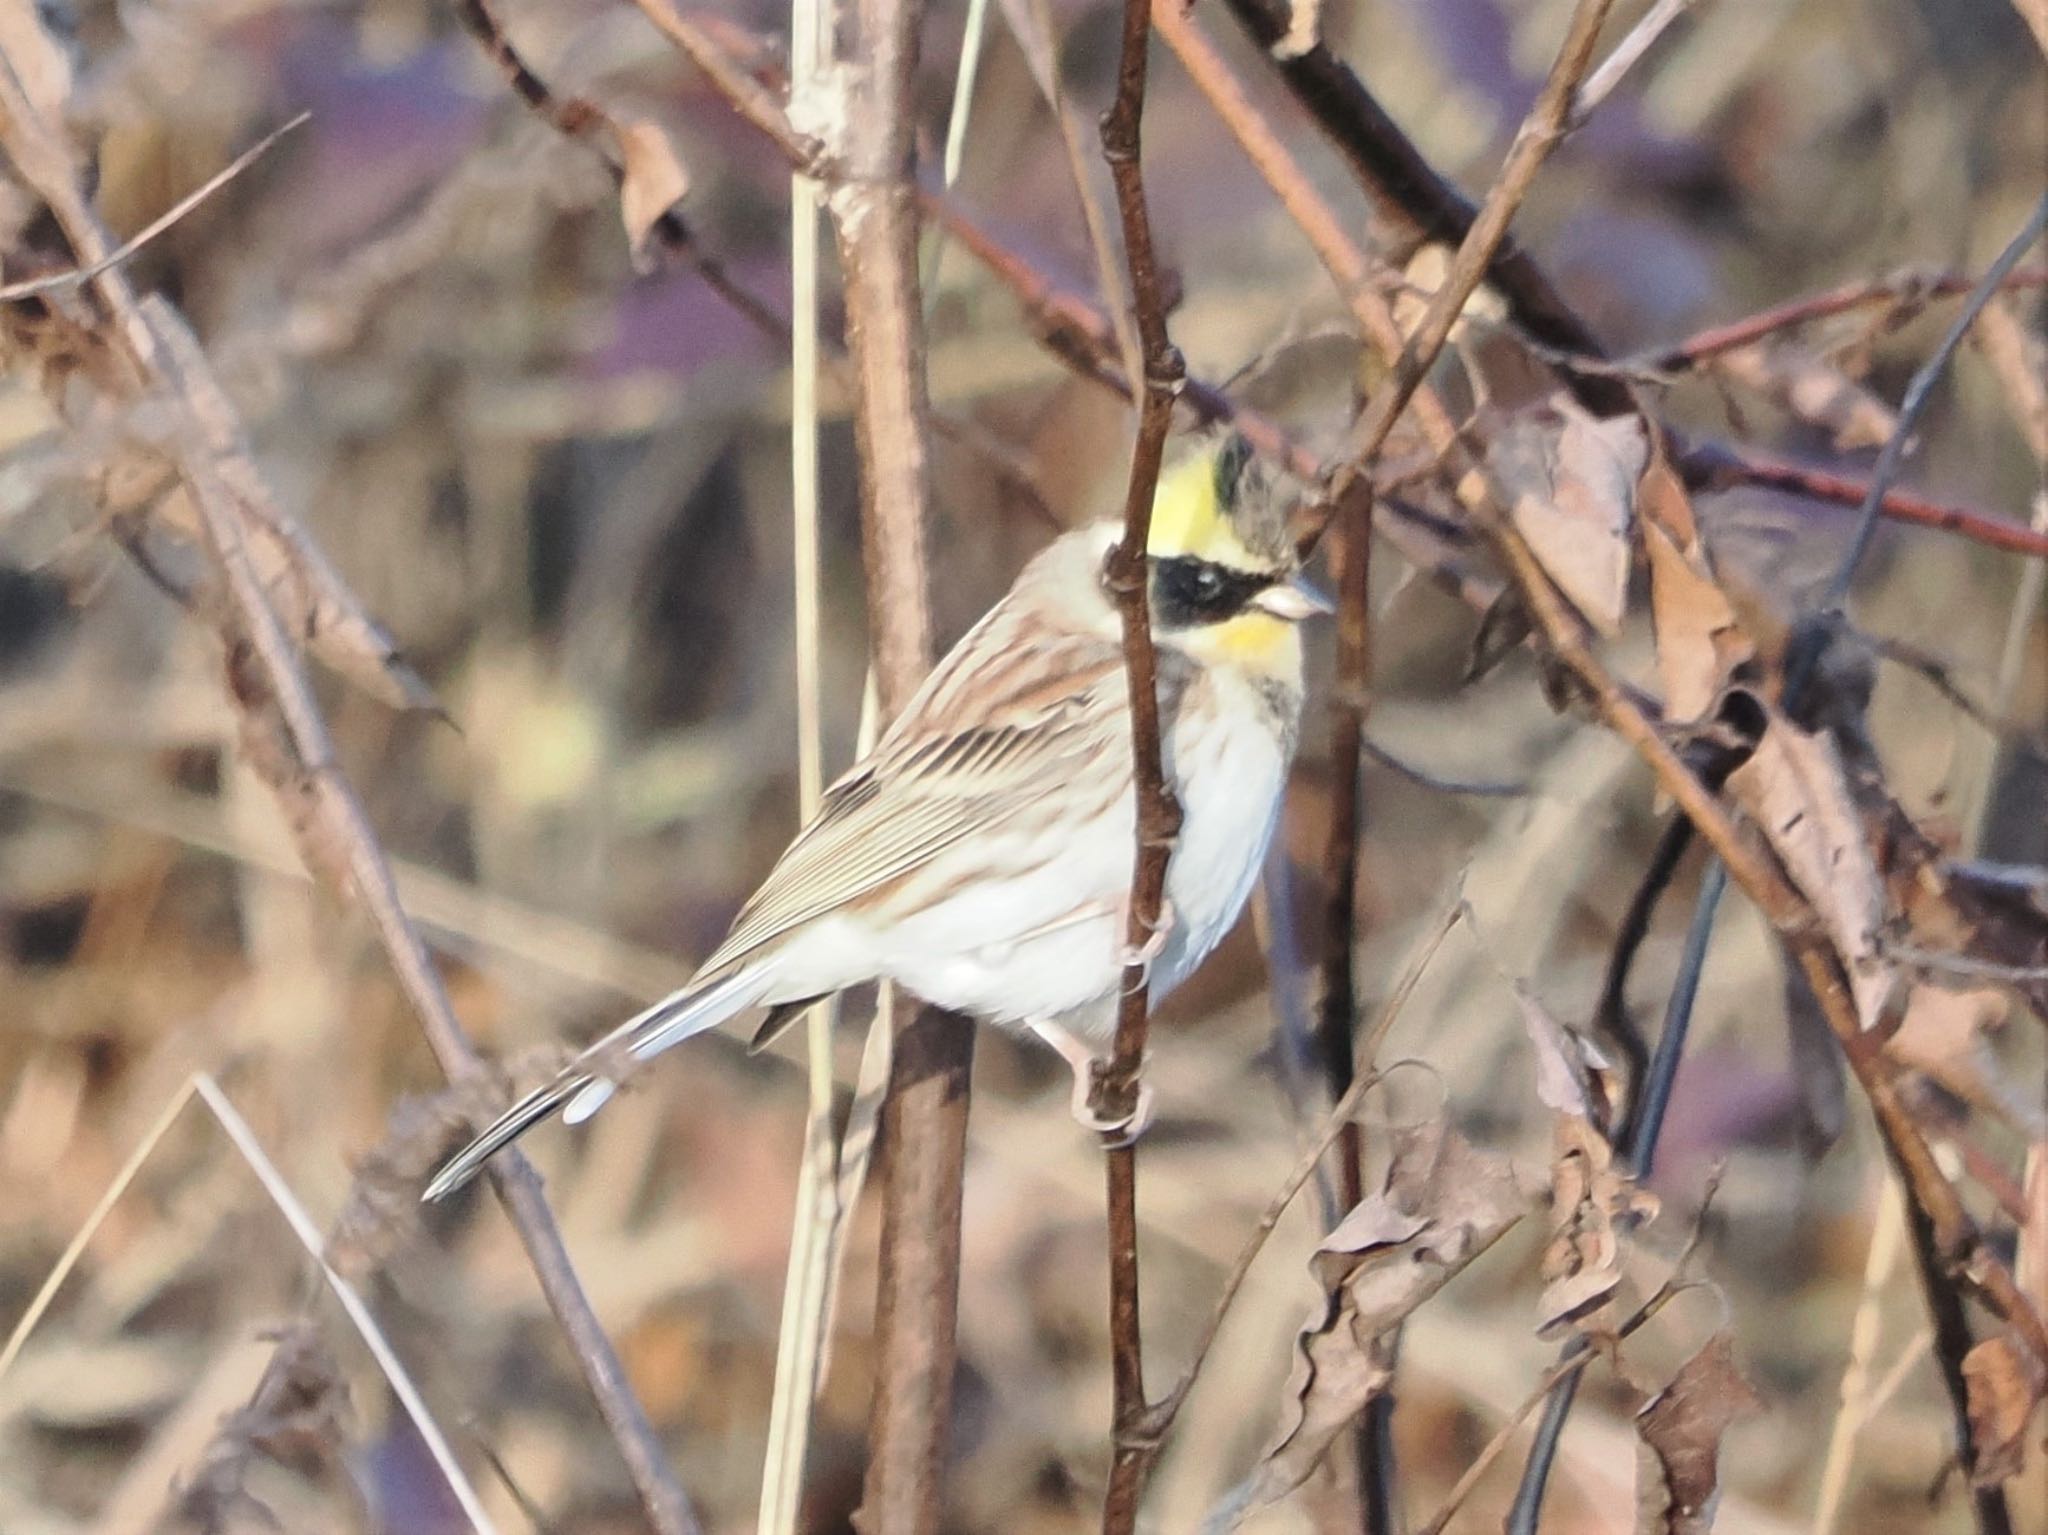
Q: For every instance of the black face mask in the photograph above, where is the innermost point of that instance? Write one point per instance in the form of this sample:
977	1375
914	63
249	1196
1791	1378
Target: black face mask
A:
1188	592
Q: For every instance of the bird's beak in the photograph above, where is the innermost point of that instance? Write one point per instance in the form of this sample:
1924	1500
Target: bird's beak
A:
1293	600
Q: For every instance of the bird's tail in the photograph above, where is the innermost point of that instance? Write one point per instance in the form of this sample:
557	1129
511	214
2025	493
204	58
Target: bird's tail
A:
582	1087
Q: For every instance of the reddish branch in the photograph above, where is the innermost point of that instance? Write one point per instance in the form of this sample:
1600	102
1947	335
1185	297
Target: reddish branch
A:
1906	290
1158	816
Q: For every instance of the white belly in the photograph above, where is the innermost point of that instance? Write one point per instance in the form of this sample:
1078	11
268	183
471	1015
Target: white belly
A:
1050	945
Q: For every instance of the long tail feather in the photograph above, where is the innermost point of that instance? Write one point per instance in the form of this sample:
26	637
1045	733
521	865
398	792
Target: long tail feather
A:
587	1082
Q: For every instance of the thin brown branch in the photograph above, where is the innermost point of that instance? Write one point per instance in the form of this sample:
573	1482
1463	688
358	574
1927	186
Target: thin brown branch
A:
1624	56
1371	1437
211	454
1905	291
1540	133
1716	466
1158	816
873	205
1406	189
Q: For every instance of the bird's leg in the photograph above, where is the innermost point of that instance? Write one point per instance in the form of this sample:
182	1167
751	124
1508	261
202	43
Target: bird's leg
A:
1082	1061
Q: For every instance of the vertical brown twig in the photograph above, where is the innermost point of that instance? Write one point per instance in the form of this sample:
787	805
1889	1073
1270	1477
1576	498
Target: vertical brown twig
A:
1351	555
1158	816
874	214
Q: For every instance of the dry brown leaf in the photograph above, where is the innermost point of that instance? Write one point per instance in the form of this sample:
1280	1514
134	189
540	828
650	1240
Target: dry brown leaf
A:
1794	789
1593	1207
1700	641
652	181
1946	1035
1572	1075
1814	391
1571	481
1680	1428
1444	1203
2005	1382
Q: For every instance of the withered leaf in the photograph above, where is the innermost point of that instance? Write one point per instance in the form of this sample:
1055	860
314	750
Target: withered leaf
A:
1571	481
1700	641
1593	1206
652	181
1794	789
2005	1382
1680	1429
1572	1075
1445	1202
1945	1035
1814	391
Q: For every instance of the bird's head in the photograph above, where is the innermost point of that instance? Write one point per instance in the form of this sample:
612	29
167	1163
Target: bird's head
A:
1226	581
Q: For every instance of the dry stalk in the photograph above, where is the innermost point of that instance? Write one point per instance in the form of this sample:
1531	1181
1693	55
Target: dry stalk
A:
874	212
208	446
818	1217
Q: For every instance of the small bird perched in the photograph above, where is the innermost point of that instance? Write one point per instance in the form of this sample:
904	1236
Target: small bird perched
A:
980	855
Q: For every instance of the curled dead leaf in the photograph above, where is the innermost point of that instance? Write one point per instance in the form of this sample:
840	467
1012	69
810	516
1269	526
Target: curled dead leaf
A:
1700	641
1572	1075
2006	1383
1571	480
652	180
1444	1203
1594	1205
1794	788
1679	1429
1946	1036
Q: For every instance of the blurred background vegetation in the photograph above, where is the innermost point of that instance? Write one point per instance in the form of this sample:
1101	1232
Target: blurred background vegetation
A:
563	485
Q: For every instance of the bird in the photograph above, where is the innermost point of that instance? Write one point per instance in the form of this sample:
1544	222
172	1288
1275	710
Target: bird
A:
980	855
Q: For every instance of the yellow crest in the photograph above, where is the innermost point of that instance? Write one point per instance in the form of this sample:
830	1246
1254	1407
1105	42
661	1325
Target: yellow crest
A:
1190	518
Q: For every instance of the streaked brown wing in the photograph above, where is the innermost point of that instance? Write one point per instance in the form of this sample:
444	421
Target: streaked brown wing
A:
995	729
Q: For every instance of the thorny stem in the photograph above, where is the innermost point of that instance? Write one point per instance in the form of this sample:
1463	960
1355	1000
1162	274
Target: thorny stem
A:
1158	816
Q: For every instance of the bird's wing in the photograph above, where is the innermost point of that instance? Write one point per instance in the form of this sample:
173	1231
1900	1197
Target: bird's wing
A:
1002	723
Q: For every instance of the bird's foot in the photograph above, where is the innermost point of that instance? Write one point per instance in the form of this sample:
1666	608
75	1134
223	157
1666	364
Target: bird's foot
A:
1142	955
1117	1129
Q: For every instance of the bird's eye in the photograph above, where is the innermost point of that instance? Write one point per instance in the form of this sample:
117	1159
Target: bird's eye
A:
1208	581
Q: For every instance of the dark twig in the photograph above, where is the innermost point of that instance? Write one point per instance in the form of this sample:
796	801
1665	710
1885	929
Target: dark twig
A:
1373	1436
1908	290
1913	404
1158	816
1716	466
